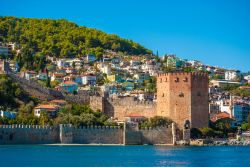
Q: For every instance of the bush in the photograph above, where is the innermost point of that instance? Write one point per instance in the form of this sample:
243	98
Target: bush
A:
155	122
245	126
195	133
82	115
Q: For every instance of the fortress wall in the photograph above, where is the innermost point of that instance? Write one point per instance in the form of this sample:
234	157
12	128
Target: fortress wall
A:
122	107
159	135
96	103
66	134
28	134
98	135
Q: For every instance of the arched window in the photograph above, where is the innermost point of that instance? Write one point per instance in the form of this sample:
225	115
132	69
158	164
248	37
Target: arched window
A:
185	79
187	124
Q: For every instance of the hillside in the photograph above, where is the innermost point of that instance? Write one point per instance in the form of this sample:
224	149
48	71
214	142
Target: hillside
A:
11	95
62	38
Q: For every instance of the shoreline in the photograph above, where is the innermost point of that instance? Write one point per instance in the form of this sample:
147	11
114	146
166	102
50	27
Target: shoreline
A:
226	142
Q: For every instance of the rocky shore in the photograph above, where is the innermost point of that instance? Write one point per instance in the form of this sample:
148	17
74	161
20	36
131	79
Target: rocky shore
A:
230	143
209	142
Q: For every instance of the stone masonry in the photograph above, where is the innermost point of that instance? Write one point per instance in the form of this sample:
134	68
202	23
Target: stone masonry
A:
183	97
67	134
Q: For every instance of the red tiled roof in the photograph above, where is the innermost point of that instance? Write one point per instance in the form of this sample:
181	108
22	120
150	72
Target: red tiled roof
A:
46	106
59	74
220	116
69	83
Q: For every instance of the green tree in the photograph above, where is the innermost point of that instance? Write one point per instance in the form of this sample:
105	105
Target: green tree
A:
44	119
156	121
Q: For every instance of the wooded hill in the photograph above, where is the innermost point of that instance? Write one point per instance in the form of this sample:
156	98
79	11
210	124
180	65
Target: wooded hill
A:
61	38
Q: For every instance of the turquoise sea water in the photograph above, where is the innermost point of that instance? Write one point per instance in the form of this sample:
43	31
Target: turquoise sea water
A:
76	156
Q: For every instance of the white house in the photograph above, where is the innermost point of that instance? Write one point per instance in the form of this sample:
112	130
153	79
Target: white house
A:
106	70
61	63
29	75
89	79
51	110
57	77
195	63
225	106
247	78
231	74
150	67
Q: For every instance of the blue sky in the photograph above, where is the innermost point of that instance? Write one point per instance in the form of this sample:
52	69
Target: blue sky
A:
217	32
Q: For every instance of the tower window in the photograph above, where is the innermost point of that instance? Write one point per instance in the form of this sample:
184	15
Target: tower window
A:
186	79
166	79
162	94
160	80
176	80
181	94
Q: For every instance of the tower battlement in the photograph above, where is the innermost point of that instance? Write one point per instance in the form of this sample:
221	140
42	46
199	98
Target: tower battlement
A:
193	74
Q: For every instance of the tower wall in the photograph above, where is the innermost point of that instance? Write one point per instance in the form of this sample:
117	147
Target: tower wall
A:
183	97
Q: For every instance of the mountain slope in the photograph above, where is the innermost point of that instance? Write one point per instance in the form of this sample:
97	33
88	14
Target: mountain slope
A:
62	38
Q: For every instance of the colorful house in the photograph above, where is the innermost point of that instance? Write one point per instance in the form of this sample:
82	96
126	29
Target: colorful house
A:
90	58
8	114
57	77
115	78
42	76
78	80
141	77
69	86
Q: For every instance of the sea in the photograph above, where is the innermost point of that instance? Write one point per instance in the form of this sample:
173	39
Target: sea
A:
127	156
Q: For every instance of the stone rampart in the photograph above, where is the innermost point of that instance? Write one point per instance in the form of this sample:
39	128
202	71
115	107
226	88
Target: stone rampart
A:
98	135
67	134
28	134
158	135
122	107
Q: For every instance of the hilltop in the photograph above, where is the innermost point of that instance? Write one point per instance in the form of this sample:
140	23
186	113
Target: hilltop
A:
61	38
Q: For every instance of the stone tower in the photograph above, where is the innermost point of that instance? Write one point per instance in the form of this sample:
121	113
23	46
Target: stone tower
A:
183	97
